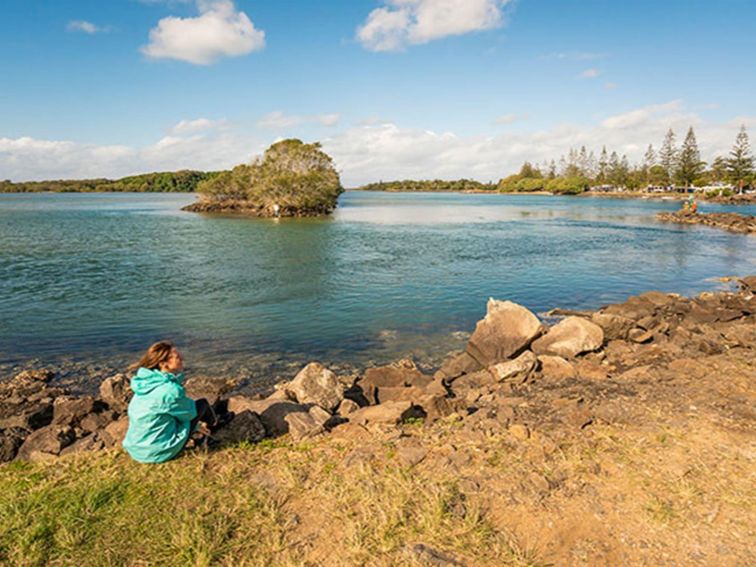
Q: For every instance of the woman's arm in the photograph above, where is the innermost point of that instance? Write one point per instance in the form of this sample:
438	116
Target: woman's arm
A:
180	406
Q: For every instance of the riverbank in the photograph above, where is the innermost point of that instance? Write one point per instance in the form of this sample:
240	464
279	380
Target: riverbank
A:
733	222
613	437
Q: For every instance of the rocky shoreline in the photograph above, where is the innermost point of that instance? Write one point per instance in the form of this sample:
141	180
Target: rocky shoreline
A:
515	374
734	222
246	208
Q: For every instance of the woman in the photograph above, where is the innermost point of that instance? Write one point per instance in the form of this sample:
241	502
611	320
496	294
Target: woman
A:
161	416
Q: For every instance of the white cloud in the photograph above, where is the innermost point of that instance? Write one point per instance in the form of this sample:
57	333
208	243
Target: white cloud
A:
197	125
376	150
409	22
219	31
510	118
277	120
84	26
590	74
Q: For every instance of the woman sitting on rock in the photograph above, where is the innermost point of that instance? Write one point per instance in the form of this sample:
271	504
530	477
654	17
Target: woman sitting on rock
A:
161	416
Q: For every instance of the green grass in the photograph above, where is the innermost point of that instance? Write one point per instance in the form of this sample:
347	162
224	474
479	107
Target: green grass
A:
269	504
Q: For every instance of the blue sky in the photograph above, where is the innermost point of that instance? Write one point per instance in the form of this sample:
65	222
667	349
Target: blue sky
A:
393	88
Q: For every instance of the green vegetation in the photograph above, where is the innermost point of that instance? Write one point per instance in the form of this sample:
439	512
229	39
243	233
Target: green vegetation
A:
299	178
435	185
184	181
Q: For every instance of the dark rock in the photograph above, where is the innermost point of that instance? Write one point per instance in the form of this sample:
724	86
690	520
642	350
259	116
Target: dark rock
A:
506	330
72	410
92	442
114	433
10	441
272	412
245	426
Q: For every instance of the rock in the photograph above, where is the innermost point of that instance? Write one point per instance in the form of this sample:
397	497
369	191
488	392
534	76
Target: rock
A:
95	421
43	375
401	374
211	389
272	412
439	406
591	370
506	330
46	443
556	368
115	432
614	326
245	426
71	411
570	337
92	442
458	365
26	415
638	335
634	308
390	394
519	368
426	555
473	381
437	387
390	413
315	384
347	406
302	426
10	441
116	392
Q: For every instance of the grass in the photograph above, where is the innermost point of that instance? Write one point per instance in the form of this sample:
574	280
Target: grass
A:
268	504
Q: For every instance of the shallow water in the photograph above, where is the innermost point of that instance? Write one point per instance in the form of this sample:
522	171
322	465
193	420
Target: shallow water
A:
97	277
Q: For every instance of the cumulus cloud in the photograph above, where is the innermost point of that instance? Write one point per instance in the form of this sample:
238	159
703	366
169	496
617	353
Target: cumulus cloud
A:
84	26
407	22
219	31
277	120
590	74
375	150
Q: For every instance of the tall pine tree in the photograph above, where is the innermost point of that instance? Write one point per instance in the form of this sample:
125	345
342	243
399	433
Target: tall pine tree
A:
740	164
668	155
689	164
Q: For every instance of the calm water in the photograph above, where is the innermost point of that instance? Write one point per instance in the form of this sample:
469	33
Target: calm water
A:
98	277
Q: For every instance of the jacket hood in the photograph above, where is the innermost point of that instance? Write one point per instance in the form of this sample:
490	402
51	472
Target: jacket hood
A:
147	380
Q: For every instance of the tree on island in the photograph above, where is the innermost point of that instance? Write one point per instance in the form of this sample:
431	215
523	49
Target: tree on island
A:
290	179
740	164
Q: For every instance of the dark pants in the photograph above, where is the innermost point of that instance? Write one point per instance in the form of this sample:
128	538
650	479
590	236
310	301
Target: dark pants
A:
205	414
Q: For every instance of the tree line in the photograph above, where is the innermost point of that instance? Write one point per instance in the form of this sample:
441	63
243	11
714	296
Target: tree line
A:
405	185
184	181
670	165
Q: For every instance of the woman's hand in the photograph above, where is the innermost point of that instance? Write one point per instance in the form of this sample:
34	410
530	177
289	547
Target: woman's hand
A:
203	429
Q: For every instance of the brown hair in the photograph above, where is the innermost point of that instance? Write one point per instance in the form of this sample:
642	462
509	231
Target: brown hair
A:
157	354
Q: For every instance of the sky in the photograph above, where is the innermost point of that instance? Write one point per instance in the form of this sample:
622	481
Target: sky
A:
393	89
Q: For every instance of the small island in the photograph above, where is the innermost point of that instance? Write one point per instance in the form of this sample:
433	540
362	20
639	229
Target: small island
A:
291	179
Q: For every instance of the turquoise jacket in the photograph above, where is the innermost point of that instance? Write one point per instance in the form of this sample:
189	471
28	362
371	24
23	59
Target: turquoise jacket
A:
159	416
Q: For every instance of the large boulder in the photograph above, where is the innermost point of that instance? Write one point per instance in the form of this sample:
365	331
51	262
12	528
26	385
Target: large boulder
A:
517	369
614	326
305	425
46	443
272	412
71	411
570	337
245	426
115	432
506	330
556	368
315	384
116	392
